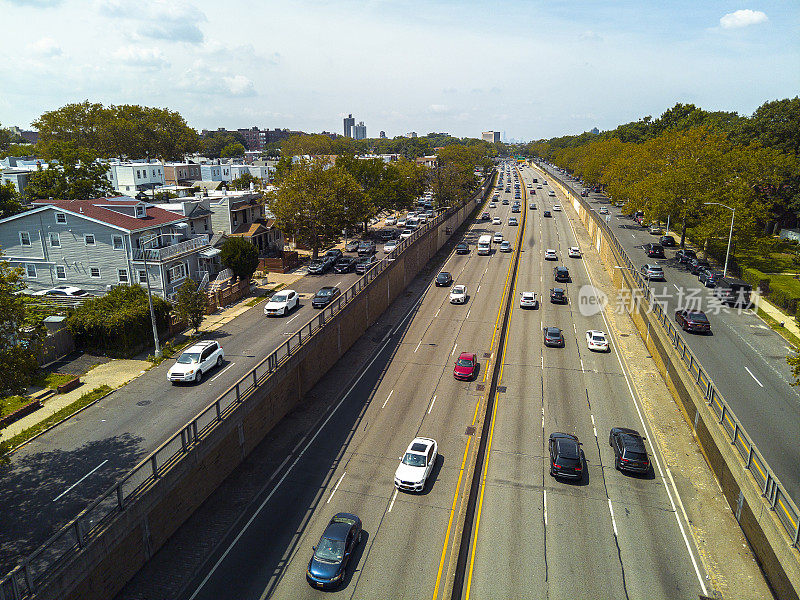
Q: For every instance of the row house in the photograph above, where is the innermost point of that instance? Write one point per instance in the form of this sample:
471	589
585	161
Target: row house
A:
215	172
243	214
181	173
133	177
99	243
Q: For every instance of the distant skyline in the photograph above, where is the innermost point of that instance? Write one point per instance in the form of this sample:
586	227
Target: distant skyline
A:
532	69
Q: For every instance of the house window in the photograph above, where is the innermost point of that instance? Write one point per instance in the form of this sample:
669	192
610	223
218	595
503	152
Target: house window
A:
142	276
88	239
122	275
116	242
235	219
177	272
138	174
61	218
61	272
94	272
55	241
140	212
30	271
191	226
24	238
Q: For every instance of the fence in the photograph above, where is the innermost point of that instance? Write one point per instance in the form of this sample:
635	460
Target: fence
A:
771	488
25	579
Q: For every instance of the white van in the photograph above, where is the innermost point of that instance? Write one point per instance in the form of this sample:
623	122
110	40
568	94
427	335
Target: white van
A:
485	244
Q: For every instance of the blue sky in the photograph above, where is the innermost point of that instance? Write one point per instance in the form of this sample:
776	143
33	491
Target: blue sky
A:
532	69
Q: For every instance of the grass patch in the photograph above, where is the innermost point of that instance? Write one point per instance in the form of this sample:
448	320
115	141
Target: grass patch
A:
11	403
787	335
53	380
62	414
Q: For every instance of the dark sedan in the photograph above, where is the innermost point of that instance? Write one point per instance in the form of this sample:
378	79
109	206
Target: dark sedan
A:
629	451
696	265
565	456
667	241
444	279
693	320
684	255
318	266
561	274
709	277
328	563
351	246
553	337
546	213
462	248
365	263
325	296
558	296
654	250
344	264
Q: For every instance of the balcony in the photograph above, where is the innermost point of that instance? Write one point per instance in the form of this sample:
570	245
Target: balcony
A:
165	253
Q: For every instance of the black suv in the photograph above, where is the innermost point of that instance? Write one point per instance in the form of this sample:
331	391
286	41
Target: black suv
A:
566	458
667	241
444	279
629	451
654	250
558	296
561	274
344	264
325	296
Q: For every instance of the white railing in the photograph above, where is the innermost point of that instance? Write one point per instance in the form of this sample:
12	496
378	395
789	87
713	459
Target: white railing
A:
167	252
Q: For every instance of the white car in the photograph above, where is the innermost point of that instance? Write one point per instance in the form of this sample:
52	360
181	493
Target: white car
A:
551	193
596	340
64	291
574	252
492	204
603	210
401	222
497	221
390	246
513	221
556	207
550	254
281	303
391	221
497	238
416	465
195	361
406	233
528	300
458	295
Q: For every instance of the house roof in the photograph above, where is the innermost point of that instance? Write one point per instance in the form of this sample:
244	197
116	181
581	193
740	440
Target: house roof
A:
101	209
249	229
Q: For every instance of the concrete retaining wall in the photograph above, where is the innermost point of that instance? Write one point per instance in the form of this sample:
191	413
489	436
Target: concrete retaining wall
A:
113	556
773	549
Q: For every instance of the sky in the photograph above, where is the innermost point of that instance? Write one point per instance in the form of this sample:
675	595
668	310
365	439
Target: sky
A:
532	69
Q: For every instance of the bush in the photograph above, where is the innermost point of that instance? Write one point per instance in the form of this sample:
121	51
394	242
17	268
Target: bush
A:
118	323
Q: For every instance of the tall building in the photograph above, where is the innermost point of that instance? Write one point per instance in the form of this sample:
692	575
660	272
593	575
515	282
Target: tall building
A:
383	135
411	134
349	123
360	131
490	136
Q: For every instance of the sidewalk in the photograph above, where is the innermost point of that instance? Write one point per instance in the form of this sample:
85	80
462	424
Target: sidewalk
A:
118	372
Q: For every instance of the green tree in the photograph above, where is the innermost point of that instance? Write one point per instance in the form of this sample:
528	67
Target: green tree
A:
190	303
312	145
10	203
78	177
20	334
244	180
232	150
315	202
212	143
776	125
240	256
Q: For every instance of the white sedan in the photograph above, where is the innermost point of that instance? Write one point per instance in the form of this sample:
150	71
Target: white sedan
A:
281	303
458	294
416	465
497	238
492	204
497	221
550	254
391	221
406	233
574	252
528	300
390	246
603	210
556	207
596	340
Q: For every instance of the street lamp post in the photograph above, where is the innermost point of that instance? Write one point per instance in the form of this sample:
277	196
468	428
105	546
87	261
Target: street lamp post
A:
730	235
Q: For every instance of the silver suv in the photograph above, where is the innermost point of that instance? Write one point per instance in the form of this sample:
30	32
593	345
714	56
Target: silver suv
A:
653	272
195	362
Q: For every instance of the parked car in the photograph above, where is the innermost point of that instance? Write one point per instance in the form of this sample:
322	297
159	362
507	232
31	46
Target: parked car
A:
566	458
416	465
630	453
390	246
406	233
390	221
281	303
654	250
365	263
733	291
667	241
462	248
684	255
330	557
652	272
64	291
603	210
321	265
528	300
325	296
709	277
553	337
597	340
196	361
366	247
561	274
352	245
574	252
466	366
334	253
693	321
443	279
344	264
697	264
458	294
558	296
656	230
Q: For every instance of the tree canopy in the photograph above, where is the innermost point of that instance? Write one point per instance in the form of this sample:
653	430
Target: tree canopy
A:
10	203
240	256
77	176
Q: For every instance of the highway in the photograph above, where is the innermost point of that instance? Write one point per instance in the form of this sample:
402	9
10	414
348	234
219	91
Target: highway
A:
611	536
745	359
53	478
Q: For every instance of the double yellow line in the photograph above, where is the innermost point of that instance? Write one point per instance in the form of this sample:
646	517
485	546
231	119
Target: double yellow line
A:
483	399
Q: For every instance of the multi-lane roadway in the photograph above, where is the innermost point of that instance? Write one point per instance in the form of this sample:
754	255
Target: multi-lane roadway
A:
608	536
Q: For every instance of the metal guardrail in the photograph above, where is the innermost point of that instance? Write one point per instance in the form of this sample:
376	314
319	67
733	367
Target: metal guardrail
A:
24	580
167	252
771	489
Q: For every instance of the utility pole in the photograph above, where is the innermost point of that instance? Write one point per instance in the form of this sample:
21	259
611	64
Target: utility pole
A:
157	352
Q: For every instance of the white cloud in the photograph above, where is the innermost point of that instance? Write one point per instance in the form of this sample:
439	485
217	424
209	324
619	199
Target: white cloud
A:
439	108
145	58
174	21
45	47
742	18
239	85
36	3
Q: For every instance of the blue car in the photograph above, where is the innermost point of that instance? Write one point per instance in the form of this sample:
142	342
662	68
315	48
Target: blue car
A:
328	564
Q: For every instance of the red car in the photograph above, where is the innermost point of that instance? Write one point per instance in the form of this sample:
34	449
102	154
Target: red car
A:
466	366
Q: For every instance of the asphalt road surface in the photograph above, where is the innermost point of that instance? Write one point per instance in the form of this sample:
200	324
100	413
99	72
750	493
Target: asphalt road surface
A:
57	475
746	360
537	537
